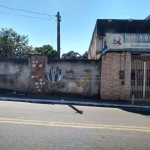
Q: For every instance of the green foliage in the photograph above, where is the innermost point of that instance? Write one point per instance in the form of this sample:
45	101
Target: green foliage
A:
74	55
85	55
71	55
13	45
47	50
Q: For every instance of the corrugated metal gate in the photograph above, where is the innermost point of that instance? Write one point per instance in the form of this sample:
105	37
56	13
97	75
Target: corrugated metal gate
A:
140	77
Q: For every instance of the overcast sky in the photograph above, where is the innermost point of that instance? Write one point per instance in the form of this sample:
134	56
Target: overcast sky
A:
78	19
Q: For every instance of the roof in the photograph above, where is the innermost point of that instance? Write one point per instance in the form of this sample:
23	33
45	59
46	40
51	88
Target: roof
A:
122	26
147	18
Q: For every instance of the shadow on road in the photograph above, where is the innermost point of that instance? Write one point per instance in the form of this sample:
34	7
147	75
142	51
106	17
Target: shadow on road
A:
145	112
78	111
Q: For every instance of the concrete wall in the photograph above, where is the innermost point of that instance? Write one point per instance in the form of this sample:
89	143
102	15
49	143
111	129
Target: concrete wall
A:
93	46
38	74
14	74
111	88
73	76
99	44
96	46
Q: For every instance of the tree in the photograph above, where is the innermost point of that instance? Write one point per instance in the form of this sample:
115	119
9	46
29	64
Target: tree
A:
46	49
71	55
74	55
14	45
85	55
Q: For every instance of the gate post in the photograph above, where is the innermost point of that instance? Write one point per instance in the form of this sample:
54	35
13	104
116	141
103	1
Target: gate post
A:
38	68
144	79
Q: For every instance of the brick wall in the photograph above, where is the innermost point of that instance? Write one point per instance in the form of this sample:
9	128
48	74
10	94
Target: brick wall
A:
111	87
37	82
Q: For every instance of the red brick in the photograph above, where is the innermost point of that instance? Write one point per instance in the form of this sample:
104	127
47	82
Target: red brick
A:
111	87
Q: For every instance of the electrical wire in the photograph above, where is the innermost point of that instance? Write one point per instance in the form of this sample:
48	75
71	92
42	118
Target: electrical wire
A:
53	32
53	41
62	51
26	11
25	16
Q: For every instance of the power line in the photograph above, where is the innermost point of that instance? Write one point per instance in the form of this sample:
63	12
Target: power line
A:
53	32
26	11
53	41
25	16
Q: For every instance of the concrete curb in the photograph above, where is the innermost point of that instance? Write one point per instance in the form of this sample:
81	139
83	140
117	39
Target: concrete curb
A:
71	102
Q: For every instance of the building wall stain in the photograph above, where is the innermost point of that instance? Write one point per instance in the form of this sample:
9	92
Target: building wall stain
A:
73	77
87	83
13	73
38	74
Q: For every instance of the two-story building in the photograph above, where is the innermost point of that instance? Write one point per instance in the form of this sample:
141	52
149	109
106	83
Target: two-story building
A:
124	48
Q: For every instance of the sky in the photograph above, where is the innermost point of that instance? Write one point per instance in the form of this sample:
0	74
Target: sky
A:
78	19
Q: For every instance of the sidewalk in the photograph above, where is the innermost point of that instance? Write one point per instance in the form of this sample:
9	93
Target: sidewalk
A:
47	99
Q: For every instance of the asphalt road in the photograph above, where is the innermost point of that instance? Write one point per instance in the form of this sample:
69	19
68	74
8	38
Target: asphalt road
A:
30	126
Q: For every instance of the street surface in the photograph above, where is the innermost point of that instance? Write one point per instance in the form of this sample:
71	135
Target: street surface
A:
30	126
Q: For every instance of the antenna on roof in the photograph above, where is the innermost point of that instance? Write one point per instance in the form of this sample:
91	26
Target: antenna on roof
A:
147	18
130	19
109	21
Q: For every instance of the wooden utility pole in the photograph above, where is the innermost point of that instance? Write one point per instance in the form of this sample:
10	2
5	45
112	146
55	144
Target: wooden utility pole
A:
58	35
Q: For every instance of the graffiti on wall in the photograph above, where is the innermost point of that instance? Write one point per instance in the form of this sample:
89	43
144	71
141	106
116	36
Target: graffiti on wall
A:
53	78
54	75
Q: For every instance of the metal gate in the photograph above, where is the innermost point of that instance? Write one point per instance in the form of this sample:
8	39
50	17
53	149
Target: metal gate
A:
140	78
147	85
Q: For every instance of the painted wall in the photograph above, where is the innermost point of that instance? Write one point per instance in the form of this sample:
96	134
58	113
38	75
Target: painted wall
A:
96	46
93	45
73	76
99	44
41	75
38	74
14	74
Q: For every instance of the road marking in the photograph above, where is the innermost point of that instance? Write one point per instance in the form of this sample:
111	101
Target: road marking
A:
73	125
68	123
